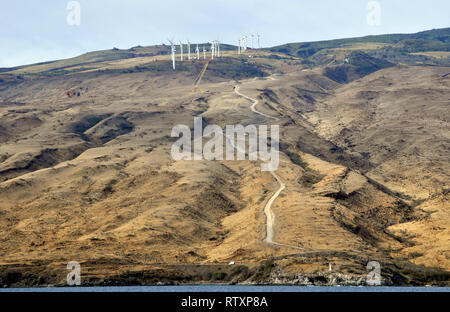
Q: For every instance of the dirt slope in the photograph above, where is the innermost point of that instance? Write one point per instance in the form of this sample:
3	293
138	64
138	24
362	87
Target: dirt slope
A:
86	175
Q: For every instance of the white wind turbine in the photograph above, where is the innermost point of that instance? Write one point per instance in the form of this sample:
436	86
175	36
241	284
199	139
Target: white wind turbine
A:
173	53
239	46
189	50
181	50
213	50
198	52
252	41
259	42
218	49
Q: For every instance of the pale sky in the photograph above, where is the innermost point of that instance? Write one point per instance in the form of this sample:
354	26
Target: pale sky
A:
37	30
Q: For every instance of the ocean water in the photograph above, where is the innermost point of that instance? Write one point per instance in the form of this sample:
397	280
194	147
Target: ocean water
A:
230	288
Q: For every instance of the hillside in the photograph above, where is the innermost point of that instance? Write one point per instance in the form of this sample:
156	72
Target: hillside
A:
357	65
396	48
86	172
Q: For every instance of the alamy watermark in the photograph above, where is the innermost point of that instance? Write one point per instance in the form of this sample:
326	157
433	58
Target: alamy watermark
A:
236	149
374	16
74	276
374	276
74	15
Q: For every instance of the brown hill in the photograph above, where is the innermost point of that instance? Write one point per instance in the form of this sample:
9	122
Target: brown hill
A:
89	178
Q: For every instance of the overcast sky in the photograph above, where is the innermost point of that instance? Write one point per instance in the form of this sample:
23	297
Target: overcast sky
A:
37	30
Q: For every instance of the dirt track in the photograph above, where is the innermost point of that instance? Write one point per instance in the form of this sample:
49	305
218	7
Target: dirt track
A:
89	178
270	216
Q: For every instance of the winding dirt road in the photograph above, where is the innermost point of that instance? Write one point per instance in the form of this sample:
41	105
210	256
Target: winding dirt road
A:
270	216
255	102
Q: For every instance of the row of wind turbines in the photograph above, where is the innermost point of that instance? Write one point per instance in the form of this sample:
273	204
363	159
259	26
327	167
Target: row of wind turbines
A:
215	49
242	43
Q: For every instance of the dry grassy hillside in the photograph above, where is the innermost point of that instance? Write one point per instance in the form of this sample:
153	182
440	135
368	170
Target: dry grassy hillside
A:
86	174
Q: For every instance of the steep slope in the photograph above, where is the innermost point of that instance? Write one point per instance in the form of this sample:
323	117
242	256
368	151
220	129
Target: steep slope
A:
357	65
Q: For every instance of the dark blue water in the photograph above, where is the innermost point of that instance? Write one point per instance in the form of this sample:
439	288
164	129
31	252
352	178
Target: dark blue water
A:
230	288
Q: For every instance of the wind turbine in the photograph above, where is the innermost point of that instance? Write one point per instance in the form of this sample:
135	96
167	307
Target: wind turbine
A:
173	53
189	50
198	52
213	50
259	44
181	47
252	41
239	46
204	53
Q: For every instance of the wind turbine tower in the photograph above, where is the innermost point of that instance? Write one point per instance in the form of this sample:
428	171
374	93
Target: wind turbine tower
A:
213	49
173	53
218	49
181	50
189	50
198	52
204	53
252	41
259	42
239	46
